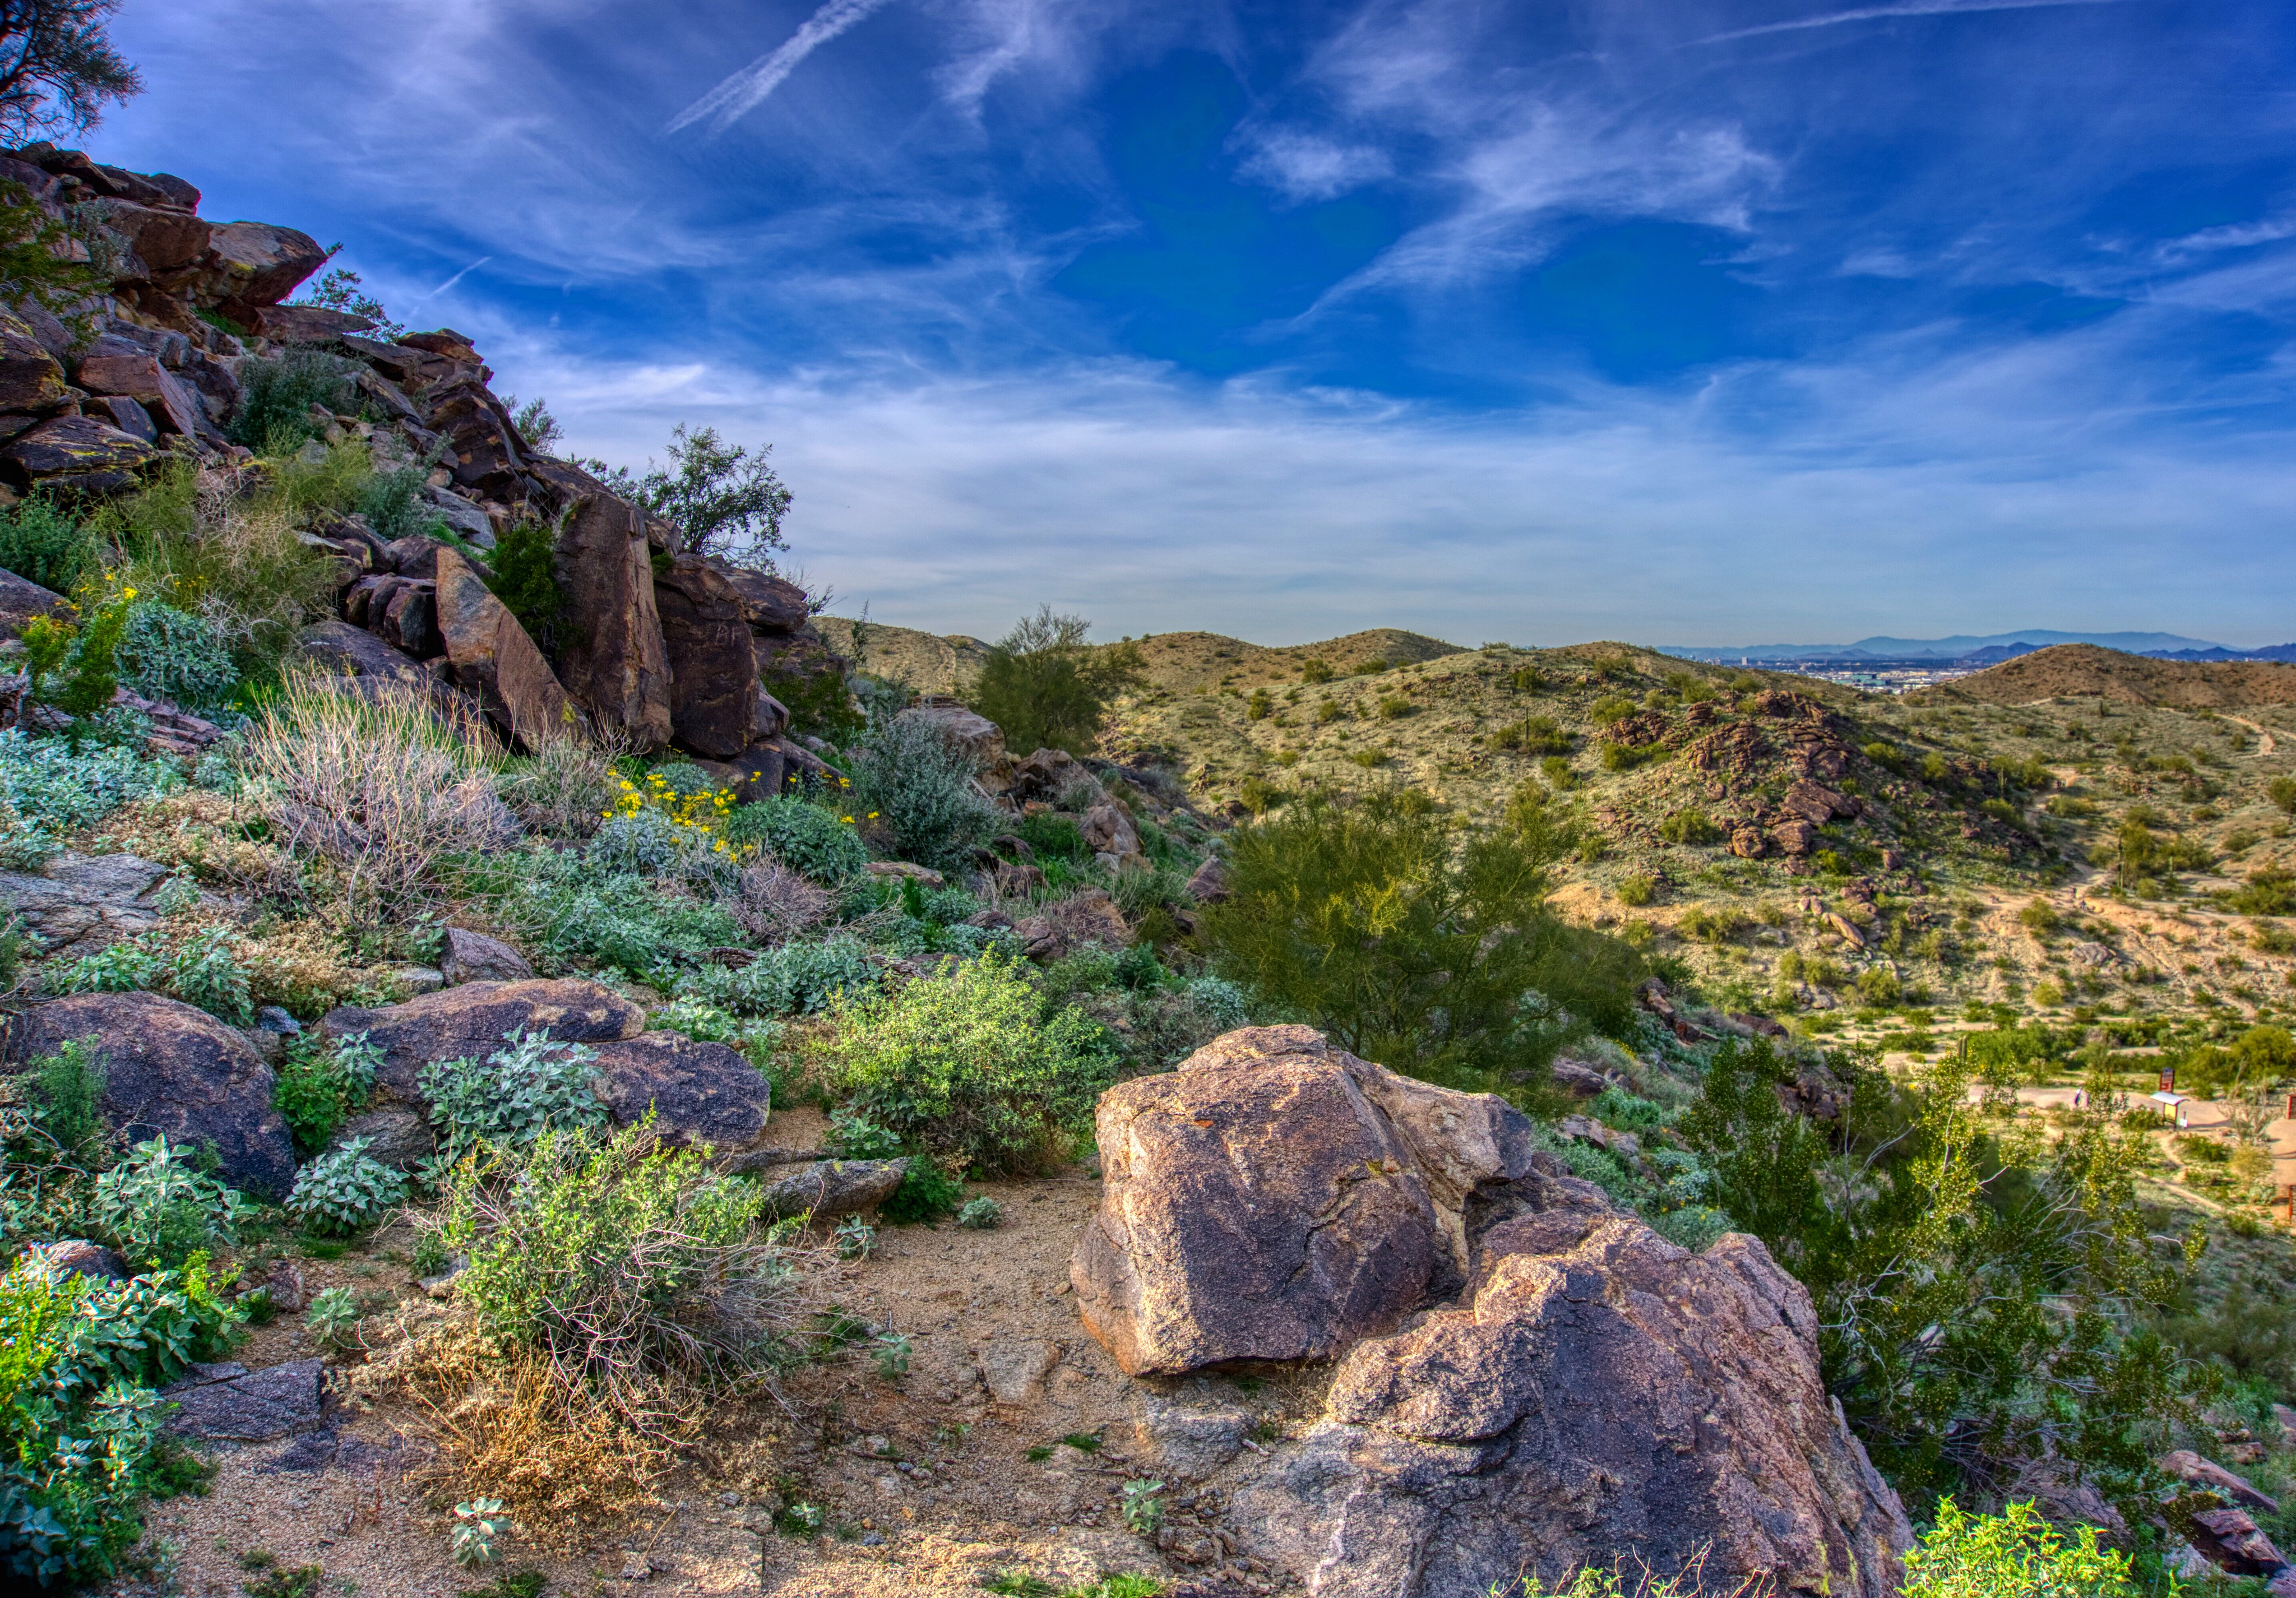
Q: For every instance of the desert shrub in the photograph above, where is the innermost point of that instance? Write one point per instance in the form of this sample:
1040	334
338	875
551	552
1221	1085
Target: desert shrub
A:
1413	947
2270	892
205	971
79	1359
319	1083
916	786
64	1097
393	505
1048	689
40	542
966	1066
122	967
1052	836
54	790
158	1208
2014	1554
1980	1302
803	836
236	562
378	791
569	914
1637	889
621	1265
526	579
530	1085
1689	827
344	1190
654	843
798	979
277	392
166	653
980	1214
563	789
928	1191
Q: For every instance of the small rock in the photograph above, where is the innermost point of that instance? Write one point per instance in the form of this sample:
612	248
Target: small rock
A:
475	957
829	1187
77	1257
1013	1368
416	979
1190	1441
271	1018
230	1403
283	1283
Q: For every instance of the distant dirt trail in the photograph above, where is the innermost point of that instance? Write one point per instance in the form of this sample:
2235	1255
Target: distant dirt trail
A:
2264	740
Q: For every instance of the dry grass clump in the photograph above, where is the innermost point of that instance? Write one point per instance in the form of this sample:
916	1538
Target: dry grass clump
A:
204	833
503	1425
377	791
774	903
563	789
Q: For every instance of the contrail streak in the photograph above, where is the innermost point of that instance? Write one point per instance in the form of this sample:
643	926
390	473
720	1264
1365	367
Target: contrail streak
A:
745	89
1911	8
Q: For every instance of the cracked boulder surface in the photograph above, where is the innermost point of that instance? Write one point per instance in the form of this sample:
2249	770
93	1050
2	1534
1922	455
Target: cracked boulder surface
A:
1600	1389
1277	1199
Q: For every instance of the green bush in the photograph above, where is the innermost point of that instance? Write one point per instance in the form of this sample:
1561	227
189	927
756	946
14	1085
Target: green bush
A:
797	978
344	1190
926	1193
914	785
1691	827
568	913
2014	1554
206	972
277	392
1052	836
158	1208
530	1085
393	505
526	579
40	542
79	1359
122	967
621	1265
321	1082
64	1096
56	789
965	1066
1046	688
804	836
165	653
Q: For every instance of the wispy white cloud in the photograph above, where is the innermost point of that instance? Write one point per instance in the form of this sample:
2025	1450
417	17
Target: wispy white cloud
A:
1307	166
1910	8
746	89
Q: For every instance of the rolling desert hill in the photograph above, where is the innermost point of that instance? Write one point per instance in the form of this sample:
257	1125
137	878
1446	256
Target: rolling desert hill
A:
2086	671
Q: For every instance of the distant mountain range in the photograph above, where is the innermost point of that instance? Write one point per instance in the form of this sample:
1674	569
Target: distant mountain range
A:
1986	650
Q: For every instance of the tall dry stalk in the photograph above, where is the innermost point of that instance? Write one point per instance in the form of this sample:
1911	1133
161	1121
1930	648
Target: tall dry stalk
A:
378	788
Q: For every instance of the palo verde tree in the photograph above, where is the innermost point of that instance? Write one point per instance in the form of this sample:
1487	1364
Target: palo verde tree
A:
1049	689
58	69
723	499
1422	946
1982	1296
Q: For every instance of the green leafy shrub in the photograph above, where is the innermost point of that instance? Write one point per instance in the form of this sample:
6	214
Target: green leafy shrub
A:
333	1317
927	1191
797	978
650	843
56	789
965	1066
1692	827
568	913
344	1190
803	836
40	542
206	972
1638	890
319	1083
123	967
165	653
917	784
79	1359
980	1214
64	1096
277	392
393	505
530	1085
620	1266
156	1208
2014	1554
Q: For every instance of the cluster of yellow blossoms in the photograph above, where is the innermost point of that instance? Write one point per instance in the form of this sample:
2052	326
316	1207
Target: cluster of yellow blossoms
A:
698	815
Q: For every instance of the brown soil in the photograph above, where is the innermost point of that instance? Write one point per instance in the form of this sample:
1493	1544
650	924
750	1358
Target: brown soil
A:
2086	671
925	1482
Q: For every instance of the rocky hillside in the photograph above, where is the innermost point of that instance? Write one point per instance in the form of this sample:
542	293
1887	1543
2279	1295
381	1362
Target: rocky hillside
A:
2073	671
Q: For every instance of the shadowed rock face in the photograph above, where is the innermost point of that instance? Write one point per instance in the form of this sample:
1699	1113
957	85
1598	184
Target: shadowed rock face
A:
1275	1197
1601	1390
174	1070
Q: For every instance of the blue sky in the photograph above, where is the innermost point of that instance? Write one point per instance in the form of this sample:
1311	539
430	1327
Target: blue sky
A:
1660	319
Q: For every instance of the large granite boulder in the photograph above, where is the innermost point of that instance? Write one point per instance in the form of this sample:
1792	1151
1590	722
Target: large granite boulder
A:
251	265
698	1093
1601	1391
614	663
470	1020
705	629
494	658
168	400
172	1070
1276	1198
981	739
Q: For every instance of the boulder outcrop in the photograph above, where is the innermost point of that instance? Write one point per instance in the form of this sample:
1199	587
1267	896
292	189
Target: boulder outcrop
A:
172	1070
493	658
1276	1198
698	1093
1602	1390
470	1020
